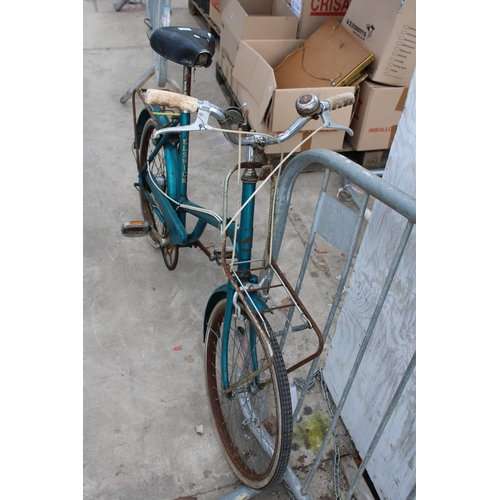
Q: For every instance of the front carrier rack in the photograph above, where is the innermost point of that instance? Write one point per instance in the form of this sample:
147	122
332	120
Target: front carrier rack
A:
273	306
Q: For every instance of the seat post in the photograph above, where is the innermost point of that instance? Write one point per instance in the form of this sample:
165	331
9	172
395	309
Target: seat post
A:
186	80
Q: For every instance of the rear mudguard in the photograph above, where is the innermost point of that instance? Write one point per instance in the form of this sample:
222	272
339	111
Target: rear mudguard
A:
221	293
139	126
144	116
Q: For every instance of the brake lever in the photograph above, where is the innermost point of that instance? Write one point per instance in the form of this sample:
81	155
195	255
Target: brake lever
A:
200	123
327	122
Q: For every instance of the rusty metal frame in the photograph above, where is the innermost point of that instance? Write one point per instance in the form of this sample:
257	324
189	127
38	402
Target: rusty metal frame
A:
270	268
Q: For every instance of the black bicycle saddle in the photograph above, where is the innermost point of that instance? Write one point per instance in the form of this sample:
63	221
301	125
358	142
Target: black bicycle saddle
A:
187	46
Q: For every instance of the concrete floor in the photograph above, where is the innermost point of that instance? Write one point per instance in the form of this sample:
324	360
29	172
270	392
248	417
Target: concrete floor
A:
144	389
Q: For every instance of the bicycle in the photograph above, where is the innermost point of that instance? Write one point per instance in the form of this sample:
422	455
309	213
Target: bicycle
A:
246	377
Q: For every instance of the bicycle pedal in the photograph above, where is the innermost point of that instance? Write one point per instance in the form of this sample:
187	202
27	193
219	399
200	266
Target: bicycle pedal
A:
135	228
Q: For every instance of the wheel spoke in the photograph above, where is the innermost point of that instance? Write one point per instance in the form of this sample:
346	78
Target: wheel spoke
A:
254	421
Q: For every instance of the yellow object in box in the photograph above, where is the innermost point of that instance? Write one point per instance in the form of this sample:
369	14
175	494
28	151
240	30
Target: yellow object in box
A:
330	56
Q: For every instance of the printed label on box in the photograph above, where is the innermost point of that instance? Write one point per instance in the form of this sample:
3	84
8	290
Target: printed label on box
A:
329	7
321	7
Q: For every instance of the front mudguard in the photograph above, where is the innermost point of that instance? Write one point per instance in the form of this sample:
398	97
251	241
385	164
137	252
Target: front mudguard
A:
221	293
217	295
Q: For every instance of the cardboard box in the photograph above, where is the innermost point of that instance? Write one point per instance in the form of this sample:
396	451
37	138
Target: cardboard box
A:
330	56
333	140
313	13
203	4
378	110
252	20
387	28
368	159
271	109
215	13
226	67
372	159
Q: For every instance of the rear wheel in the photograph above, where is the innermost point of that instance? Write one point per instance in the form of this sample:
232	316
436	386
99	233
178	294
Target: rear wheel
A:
254	422
158	171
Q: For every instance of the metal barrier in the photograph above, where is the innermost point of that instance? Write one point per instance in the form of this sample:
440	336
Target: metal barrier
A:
341	227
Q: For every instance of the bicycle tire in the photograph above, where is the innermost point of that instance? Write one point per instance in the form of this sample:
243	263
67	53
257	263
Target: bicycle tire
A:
234	416
157	167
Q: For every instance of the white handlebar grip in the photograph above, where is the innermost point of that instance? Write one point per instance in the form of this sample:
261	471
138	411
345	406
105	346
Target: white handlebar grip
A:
341	100
172	100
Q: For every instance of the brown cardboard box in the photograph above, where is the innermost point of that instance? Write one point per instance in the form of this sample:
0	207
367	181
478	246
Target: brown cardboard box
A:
387	28
313	13
378	110
204	5
271	109
372	159
252	20
330	56
216	8
226	66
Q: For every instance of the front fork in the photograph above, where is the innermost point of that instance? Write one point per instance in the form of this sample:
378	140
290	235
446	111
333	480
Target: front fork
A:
248	344
243	247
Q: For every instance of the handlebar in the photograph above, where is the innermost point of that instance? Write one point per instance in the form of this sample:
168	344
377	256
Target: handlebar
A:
308	106
172	100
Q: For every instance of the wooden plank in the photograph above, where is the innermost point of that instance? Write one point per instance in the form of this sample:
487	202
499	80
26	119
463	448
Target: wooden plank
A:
350	469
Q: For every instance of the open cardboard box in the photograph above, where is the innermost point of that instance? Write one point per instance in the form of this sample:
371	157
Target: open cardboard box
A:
271	109
331	55
313	13
252	20
215	13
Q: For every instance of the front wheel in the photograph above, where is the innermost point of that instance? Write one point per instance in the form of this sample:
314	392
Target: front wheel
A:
253	422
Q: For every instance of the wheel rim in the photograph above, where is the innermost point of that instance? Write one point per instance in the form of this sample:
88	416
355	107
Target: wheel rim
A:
251	420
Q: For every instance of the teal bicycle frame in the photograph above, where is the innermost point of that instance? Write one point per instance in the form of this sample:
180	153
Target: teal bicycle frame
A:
169	212
172	213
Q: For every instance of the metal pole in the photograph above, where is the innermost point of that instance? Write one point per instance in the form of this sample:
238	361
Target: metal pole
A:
290	479
120	5
336	302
